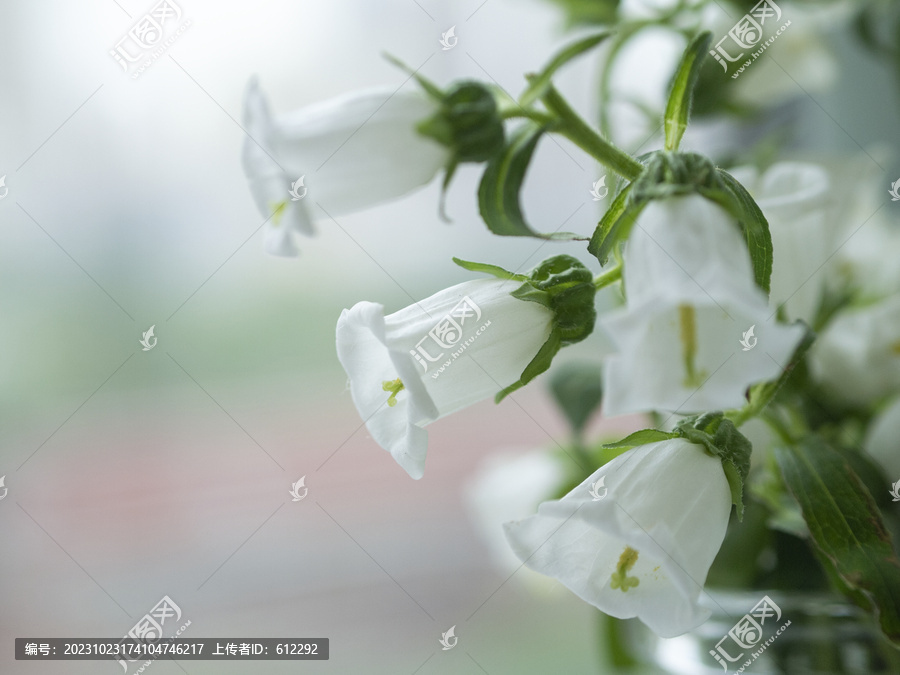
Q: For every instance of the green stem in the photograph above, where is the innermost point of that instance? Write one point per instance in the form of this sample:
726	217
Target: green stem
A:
581	134
522	113
607	278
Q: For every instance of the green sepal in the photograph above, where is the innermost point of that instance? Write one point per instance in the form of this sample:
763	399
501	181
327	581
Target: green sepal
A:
735	199
539	83
672	174
578	390
615	225
565	286
678	107
493	270
721	439
846	527
468	122
643	437
498	192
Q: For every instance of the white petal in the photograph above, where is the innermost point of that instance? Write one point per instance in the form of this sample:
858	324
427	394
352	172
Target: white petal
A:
498	338
688	252
857	357
359	149
668	501
881	439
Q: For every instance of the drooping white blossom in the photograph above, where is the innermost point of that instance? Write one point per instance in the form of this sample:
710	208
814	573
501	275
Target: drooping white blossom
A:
347	153
696	331
455	348
644	549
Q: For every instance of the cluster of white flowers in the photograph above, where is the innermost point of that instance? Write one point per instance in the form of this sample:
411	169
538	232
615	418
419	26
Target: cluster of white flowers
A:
720	275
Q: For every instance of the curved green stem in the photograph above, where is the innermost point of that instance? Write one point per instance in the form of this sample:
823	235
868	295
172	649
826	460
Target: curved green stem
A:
523	113
581	134
607	278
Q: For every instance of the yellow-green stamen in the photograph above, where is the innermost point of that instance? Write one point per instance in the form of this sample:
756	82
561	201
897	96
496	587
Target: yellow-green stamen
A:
395	387
687	320
620	578
277	211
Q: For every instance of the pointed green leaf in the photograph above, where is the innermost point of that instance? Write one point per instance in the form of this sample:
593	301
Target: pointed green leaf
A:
642	437
678	108
539	83
498	193
493	270
846	526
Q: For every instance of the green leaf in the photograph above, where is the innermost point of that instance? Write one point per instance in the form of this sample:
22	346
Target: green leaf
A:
846	526
642	437
498	193
722	439
539	83
737	201
578	390
493	270
678	108
615	225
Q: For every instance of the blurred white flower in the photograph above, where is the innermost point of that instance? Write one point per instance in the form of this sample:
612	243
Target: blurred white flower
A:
353	151
690	299
794	197
645	549
857	357
881	440
804	62
402	368
508	487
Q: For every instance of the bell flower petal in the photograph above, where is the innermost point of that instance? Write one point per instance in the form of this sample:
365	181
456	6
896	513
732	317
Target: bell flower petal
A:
642	550
351	152
687	338
856	358
455	348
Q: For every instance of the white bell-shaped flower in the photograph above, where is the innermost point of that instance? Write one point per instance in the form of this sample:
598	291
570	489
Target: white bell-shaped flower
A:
641	545
857	357
455	348
881	439
344	154
696	331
